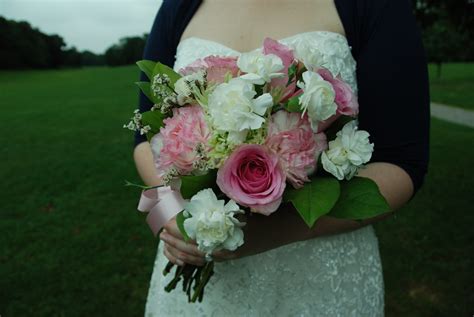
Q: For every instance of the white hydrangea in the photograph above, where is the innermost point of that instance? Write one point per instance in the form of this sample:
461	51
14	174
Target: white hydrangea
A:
212	224
260	68
318	98
232	109
350	150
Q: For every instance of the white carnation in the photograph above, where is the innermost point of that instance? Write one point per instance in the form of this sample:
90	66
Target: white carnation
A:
232	108
212	224
347	152
186	86
306	52
260	68
318	98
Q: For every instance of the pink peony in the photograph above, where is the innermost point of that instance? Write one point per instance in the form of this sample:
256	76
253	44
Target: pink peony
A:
175	145
291	138
345	98
271	46
252	176
216	67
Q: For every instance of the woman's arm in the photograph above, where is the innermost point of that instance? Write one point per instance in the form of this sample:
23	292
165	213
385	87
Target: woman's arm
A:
285	226
143	157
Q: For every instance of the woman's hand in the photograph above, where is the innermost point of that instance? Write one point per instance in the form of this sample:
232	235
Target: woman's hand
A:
177	250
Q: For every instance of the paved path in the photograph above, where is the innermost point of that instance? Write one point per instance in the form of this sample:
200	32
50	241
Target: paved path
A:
453	114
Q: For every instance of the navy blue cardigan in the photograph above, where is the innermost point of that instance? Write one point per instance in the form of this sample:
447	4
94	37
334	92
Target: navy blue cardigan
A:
392	74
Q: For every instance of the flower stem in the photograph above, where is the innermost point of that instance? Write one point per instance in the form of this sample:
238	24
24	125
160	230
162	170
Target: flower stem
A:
208	271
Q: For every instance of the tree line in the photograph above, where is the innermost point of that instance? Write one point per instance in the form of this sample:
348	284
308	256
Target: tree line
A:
447	27
24	47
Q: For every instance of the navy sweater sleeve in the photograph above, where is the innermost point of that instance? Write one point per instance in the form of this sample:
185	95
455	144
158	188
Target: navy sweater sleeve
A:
392	79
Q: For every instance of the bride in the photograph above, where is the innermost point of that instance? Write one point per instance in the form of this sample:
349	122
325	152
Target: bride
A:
284	268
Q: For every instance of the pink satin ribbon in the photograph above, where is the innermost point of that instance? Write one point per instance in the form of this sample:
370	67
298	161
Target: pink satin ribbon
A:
162	204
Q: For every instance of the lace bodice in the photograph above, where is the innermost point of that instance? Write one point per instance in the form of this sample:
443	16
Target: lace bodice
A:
338	275
331	48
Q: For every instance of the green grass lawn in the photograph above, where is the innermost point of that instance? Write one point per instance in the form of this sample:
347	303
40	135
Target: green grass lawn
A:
455	86
72	243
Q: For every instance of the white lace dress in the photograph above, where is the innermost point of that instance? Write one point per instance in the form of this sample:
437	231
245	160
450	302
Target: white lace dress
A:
339	275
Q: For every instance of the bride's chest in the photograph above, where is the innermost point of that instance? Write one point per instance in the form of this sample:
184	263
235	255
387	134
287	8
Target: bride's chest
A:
242	25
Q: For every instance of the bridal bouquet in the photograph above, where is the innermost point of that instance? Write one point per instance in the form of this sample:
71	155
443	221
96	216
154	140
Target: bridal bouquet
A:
242	135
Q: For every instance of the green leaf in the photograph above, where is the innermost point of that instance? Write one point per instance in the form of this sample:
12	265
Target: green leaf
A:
337	126
291	73
190	185
360	199
180	218
145	87
147	67
163	69
154	119
315	199
293	105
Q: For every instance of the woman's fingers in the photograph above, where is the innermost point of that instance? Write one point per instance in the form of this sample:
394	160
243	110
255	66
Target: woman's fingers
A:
184	257
172	228
181	245
171	257
186	252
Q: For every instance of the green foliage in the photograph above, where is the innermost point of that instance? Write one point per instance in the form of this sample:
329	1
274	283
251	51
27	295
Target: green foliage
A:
155	120
147	67
337	126
22	46
292	71
145	87
126	52
360	199
163	69
190	185
180	223
315	199
293	105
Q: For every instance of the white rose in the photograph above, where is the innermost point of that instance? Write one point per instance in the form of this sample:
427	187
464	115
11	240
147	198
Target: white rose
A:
347	152
212	224
232	108
260	68
318	98
306	52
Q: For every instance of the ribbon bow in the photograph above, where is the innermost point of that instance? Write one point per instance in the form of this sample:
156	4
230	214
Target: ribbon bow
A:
162	204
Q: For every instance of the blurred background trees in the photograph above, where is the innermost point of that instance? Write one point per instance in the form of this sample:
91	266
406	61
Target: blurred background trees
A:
447	27
25	47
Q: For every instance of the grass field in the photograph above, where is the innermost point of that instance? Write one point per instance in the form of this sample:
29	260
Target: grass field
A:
72	243
455	86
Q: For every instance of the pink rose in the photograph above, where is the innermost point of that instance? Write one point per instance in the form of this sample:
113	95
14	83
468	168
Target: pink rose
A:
291	138
175	145
345	98
252	177
216	67
271	46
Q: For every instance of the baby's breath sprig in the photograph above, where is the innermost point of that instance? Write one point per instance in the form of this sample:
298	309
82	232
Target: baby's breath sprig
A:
168	177
161	87
135	123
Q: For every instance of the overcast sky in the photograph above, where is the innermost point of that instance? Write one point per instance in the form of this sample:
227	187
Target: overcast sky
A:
86	24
